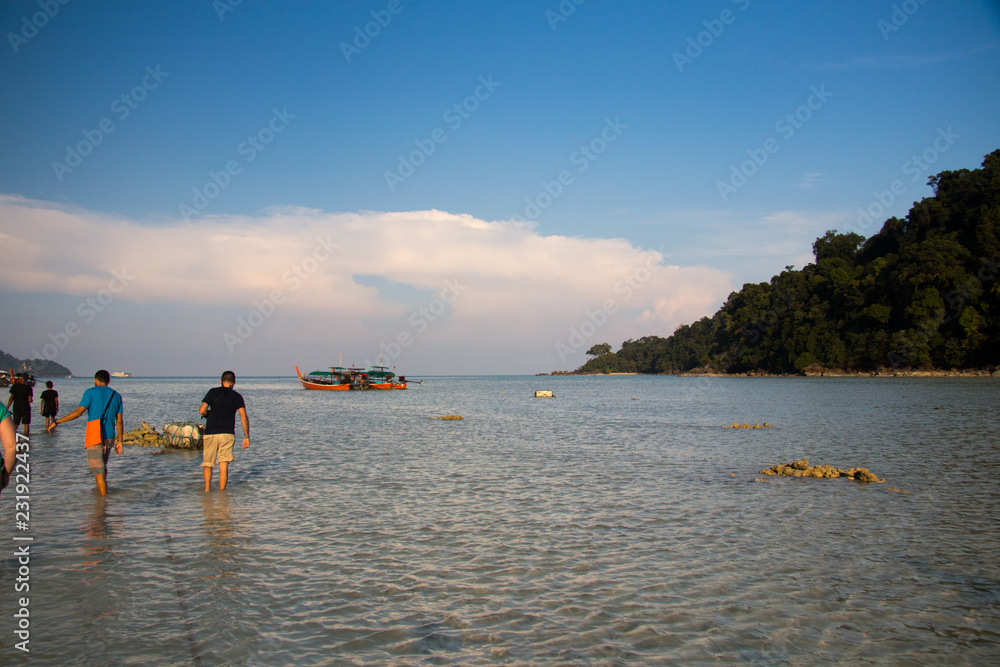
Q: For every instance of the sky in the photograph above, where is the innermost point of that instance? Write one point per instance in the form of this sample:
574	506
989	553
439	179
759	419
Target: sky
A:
453	187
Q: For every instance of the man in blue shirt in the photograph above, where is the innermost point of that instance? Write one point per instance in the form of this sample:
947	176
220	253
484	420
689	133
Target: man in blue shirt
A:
104	403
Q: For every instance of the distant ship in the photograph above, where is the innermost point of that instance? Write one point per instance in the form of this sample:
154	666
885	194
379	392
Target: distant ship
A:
120	374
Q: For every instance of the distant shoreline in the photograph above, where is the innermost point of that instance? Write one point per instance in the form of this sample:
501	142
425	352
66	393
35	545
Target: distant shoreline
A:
826	372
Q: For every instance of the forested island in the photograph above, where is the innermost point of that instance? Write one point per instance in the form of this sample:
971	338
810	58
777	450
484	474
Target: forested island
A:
921	294
40	367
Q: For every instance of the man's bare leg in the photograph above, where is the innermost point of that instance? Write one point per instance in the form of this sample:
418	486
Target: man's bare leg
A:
207	472
102	486
223	474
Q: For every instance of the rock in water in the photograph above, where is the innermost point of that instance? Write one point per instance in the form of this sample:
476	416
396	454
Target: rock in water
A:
801	468
863	475
144	436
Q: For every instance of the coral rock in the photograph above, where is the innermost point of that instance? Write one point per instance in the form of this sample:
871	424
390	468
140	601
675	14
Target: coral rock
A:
801	468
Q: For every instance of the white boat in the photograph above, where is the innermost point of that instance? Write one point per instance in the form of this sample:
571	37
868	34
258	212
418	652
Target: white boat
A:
120	374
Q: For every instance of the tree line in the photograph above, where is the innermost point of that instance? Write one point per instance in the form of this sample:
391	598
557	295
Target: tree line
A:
40	367
922	293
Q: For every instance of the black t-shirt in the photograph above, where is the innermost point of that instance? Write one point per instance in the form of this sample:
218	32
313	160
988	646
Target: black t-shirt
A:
48	398
223	404
22	397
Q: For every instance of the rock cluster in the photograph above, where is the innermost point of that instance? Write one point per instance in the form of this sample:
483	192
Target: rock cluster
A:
801	468
144	436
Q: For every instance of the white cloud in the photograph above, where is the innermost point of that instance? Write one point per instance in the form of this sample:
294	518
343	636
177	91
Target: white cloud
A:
755	245
896	61
522	291
811	179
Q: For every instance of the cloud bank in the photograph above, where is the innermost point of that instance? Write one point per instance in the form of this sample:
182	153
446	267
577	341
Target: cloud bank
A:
446	292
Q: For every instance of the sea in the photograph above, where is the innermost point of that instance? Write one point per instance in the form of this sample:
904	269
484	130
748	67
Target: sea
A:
615	523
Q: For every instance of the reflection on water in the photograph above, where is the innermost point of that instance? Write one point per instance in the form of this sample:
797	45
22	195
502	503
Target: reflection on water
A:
617	523
97	531
98	564
221	532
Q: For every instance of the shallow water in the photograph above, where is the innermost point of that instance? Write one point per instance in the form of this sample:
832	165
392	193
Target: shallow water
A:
615	524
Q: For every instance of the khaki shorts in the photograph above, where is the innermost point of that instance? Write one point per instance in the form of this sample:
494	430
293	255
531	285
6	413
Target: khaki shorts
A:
218	446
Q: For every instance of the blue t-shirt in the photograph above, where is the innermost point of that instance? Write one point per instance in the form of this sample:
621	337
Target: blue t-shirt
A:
95	400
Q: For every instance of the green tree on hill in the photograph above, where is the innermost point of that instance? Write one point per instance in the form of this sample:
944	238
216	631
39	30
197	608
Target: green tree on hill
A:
599	349
40	367
923	292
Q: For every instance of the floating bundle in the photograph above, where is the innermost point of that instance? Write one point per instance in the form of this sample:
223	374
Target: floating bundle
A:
185	435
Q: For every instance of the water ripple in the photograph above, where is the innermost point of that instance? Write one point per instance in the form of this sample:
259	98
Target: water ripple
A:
586	529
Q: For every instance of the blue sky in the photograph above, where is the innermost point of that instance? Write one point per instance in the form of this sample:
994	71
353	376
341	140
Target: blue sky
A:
565	163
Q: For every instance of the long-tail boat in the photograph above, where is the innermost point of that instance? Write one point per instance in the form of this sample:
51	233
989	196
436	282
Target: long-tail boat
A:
380	377
338	378
335	379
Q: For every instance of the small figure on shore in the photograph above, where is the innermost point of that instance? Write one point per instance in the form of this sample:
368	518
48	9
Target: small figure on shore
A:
103	403
220	406
49	404
21	396
8	438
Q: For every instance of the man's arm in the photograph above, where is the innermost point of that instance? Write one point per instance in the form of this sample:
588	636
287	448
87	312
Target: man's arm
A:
245	422
68	418
203	410
9	439
120	431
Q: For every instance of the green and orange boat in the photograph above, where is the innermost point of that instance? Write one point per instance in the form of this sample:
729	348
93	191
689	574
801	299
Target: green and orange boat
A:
338	378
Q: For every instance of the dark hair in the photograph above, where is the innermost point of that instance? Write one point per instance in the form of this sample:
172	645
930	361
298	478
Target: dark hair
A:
49	384
229	376
103	376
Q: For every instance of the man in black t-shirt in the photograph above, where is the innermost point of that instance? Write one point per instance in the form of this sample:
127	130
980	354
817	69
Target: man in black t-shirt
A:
21	396
220	406
50	403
